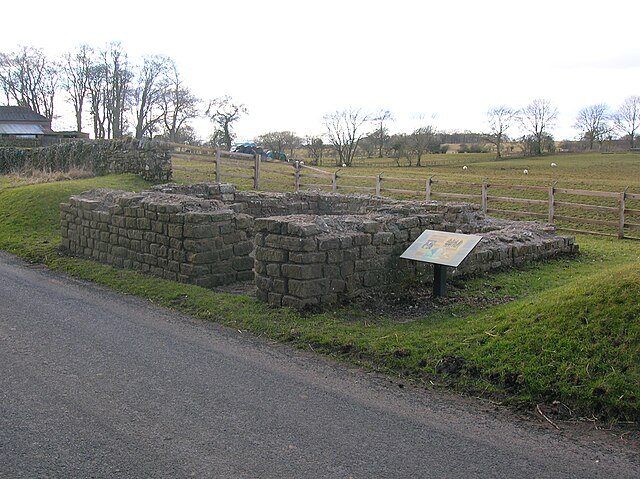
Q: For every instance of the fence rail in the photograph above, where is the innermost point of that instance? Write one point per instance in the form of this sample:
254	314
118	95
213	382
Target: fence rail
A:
553	204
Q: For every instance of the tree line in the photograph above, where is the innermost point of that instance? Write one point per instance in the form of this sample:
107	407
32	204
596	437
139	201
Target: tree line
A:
151	99
144	100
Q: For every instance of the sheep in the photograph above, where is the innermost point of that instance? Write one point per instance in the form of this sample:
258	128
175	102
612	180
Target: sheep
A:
526	171
464	167
344	165
553	165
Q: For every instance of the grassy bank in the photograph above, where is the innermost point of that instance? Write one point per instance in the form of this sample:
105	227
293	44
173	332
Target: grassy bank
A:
564	334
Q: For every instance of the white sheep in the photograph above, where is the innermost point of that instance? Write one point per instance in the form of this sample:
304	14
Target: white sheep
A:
464	167
344	165
526	172
553	165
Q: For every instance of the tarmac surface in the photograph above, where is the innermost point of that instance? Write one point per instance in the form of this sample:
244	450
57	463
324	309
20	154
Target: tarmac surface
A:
99	384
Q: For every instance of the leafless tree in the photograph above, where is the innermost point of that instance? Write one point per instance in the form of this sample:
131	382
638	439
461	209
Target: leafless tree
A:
224	112
28	78
148	94
315	145
500	120
592	121
345	129
381	132
627	118
423	140
536	119
118	88
280	141
179	105
75	72
97	89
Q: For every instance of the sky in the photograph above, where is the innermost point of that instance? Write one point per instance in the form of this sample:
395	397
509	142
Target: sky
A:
442	63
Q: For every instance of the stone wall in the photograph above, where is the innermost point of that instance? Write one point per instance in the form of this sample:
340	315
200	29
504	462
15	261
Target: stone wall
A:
149	159
304	260
176	237
307	249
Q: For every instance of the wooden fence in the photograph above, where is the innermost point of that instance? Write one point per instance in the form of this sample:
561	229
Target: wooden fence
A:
613	213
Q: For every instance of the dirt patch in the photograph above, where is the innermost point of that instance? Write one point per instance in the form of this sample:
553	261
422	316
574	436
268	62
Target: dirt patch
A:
417	301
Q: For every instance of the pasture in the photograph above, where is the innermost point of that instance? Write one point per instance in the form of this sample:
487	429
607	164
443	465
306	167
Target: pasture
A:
508	192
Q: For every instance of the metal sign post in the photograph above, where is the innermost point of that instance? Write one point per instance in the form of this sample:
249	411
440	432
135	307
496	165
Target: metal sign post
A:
442	249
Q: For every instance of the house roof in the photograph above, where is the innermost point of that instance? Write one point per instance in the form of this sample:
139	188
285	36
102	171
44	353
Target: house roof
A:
21	129
18	114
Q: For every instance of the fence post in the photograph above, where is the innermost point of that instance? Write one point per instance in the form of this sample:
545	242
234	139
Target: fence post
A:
378	182
552	202
485	186
428	188
296	176
217	165
256	171
334	181
622	207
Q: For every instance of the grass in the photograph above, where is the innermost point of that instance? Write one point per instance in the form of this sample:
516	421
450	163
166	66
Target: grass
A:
588	171
569	338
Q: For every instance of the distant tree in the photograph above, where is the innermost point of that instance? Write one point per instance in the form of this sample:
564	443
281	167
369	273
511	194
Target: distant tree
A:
148	94
423	140
224	112
280	141
399	147
29	79
178	106
627	118
118	88
381	132
315	147
537	119
500	119
592	121
97	87
345	129
75	71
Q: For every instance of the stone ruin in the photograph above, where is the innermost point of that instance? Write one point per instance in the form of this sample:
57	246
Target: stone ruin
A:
303	249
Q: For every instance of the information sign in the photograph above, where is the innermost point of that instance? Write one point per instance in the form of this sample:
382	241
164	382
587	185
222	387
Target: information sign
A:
440	247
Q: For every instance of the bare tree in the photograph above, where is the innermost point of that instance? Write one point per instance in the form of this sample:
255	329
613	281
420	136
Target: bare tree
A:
315	145
627	118
592	121
537	119
381	132
75	71
500	120
423	140
279	141
97	88
224	112
179	105
29	79
148	94
118	89
345	129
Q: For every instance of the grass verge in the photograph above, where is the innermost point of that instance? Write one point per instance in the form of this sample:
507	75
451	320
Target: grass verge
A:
565	334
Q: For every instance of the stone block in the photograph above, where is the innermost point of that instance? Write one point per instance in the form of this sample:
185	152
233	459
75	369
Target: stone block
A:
301	271
308	288
242	263
271	255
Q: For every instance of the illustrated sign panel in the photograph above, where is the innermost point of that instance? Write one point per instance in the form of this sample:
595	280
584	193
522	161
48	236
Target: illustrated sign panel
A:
440	247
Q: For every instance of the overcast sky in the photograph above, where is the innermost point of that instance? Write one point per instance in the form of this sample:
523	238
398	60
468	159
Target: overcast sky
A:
443	63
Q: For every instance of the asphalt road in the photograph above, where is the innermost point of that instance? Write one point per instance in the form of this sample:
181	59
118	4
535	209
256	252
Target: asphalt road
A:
97	384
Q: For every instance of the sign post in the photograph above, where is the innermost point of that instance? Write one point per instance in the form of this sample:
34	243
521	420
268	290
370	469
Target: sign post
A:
442	249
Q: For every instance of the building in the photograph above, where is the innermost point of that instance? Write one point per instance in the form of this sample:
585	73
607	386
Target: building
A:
20	126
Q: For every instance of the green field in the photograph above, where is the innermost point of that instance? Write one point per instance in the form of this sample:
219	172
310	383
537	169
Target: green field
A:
564	335
598	172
